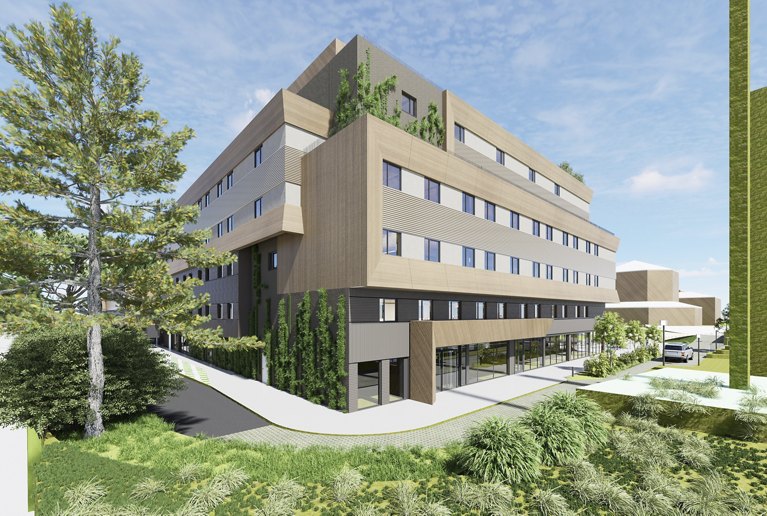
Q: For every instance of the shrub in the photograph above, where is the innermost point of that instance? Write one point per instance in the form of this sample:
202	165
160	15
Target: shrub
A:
550	503
189	472
44	377
283	498
147	488
598	366
647	405
666	387
405	499
346	483
486	498
497	450
561	437
586	412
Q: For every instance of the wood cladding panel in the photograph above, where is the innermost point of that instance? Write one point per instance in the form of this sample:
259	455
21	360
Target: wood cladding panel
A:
462	113
315	66
648	285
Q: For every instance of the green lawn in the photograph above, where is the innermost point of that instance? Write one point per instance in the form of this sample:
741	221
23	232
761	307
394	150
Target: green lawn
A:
713	363
689	339
147	448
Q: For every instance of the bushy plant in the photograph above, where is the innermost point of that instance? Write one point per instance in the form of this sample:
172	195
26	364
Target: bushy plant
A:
347	483
147	488
498	450
647	405
487	498
586	412
594	487
665	387
548	502
599	366
633	446
190	472
750	414
561	437
405	499
44	377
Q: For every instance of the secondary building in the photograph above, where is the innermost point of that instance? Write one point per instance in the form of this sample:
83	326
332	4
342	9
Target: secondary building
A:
460	263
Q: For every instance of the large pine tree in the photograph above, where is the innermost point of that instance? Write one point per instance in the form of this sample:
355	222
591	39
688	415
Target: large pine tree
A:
75	136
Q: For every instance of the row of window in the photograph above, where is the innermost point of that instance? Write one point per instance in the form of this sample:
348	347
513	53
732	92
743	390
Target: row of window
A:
500	157
392	177
392	245
227	182
387	310
223	271
217	310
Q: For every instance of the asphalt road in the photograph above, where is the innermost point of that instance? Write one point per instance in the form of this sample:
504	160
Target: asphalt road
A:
197	409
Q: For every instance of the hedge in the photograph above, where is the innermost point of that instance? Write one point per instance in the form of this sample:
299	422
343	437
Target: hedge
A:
241	358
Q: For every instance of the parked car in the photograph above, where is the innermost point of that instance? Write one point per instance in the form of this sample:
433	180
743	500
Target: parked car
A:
681	352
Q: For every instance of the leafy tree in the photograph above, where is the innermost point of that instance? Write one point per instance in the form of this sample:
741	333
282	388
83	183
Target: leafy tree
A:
724	320
44	377
653	335
75	134
339	357
324	341
366	97
430	128
610	330
635	332
306	348
567	168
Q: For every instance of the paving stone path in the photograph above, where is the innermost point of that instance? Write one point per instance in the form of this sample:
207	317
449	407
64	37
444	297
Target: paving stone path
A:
434	436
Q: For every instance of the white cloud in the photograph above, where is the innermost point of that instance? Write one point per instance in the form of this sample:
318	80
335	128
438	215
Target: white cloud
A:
533	55
253	104
262	96
653	181
712	261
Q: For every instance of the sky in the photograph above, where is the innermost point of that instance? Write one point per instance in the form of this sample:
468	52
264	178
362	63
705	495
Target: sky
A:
633	94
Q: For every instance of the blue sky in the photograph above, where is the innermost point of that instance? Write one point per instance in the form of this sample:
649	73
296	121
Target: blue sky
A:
633	94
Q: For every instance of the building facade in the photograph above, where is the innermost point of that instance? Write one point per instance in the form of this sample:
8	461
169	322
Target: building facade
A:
460	263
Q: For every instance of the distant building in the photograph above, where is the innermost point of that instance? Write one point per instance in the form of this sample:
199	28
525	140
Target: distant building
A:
650	294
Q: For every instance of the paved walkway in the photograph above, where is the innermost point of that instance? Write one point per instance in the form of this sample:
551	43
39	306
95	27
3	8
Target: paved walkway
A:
437	435
292	412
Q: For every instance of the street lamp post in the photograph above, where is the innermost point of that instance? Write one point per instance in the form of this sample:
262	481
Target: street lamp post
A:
663	323
699	349
716	339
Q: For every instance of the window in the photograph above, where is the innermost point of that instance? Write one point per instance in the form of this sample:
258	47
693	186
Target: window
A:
219	230
554	311
556	189
531	175
480	310
536	270
588	279
219	188
387	310
514	265
489	261
563	310
230	180
408	104
565	275
424	310
596	280
199	274
207	274
501	311
565	238
537	311
220	271
430	190
468	203
392	175
176	279
575	277
199	203
273	261
575	242
522	311
468	257
391	243
219	311
207	310
490	211
588	247
549	233
536	228
549	272
452	310
257	156
229	269
206	200
500	157
230	310
230	223
258	206
596	250
460	133
431	250
514	222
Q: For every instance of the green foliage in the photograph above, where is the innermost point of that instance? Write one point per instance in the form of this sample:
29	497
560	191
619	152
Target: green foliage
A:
587	413
751	413
338	386
567	168
242	356
595	488
147	488
487	498
44	377
610	330
561	437
306	347
285	375
347	483
497	450
600	366
647	406
635	332
430	128
366	97
283	498
609	362
550	503
654	335
708	388
324	316
190	472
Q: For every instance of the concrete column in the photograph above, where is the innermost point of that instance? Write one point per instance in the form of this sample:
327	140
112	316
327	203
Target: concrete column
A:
569	341
510	357
352	390
406	378
383	382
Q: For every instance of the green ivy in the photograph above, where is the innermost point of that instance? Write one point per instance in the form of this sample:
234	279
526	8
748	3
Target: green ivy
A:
430	128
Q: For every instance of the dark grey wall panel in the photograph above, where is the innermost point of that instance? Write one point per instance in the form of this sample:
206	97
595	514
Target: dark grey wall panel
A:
364	309
378	341
468	310
407	309
440	310
416	216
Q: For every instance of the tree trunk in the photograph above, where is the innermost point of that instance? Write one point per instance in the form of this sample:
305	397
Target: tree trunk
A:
94	424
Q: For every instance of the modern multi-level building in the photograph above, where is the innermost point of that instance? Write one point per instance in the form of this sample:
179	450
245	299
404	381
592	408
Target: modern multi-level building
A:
460	264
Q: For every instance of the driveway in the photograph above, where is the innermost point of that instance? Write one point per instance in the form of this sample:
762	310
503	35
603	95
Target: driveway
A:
199	409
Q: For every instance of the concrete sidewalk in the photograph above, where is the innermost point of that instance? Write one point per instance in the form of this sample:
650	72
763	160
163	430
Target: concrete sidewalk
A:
292	412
